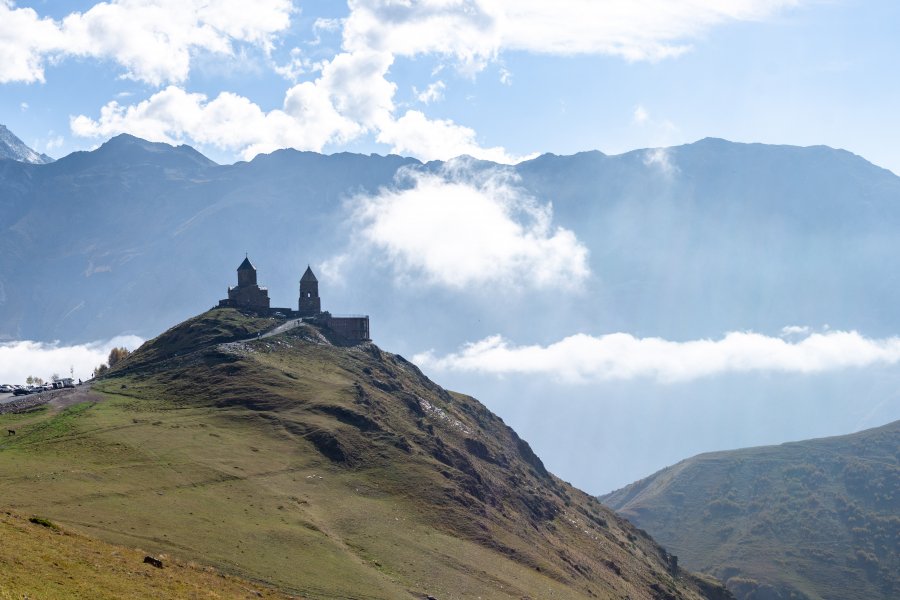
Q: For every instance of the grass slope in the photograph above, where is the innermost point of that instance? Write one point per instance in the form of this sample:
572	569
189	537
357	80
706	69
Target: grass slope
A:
41	560
323	470
818	519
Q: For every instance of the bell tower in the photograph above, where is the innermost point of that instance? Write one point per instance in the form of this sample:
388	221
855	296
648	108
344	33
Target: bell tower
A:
310	304
246	273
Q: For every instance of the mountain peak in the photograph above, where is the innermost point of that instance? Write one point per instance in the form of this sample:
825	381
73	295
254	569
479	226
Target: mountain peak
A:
13	148
131	143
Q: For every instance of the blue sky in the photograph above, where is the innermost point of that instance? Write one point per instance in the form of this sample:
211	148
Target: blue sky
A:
446	77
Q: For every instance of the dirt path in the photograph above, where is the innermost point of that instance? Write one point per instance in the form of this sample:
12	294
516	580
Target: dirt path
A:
293	323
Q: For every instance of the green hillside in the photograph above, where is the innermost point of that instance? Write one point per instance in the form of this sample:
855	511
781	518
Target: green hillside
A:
818	519
39	559
323	470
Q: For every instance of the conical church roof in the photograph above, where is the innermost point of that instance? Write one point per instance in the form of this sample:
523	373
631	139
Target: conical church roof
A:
308	275
246	265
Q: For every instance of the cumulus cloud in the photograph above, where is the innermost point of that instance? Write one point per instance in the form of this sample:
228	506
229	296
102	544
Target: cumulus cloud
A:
457	229
620	356
439	139
350	96
432	93
20	359
153	40
475	31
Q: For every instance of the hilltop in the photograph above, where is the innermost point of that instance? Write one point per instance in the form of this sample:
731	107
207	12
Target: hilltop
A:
322	469
803	520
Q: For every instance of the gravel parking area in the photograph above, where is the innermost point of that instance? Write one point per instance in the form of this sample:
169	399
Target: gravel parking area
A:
57	399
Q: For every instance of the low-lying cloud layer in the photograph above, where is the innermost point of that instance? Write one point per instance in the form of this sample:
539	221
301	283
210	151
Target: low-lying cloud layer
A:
620	356
458	228
20	359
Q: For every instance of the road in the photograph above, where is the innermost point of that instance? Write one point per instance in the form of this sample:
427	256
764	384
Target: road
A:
6	398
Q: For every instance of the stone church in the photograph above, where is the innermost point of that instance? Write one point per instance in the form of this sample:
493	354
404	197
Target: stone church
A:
248	295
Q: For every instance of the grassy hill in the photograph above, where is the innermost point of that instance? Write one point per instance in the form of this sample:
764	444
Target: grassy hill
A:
39	559
323	470
818	519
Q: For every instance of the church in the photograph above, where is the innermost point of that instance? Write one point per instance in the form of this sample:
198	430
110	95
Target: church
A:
248	295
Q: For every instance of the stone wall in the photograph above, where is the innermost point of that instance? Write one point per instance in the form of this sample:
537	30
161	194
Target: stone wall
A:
350	328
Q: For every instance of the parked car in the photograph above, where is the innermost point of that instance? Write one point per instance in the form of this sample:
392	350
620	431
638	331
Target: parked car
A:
20	391
6	389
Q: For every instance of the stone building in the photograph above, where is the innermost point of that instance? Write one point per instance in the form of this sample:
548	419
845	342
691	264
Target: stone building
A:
247	293
309	304
351	327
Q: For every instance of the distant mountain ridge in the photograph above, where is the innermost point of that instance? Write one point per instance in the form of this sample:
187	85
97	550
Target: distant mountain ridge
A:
13	148
817	519
107	226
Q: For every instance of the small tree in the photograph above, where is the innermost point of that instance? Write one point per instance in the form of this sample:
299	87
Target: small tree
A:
101	370
54	378
37	381
29	380
117	355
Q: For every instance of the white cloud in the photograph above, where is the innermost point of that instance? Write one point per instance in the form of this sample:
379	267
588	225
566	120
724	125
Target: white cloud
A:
790	330
322	24
476	31
25	38
620	356
660	158
350	97
457	229
154	40
505	76
640	115
23	106
307	121
55	141
432	93
438	139
20	359
297	65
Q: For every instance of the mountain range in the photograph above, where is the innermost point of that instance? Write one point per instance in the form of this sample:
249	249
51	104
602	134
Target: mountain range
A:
810	520
727	236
